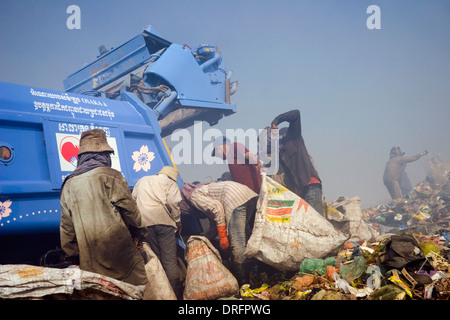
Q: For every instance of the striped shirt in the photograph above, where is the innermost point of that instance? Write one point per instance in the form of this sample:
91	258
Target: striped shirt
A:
218	199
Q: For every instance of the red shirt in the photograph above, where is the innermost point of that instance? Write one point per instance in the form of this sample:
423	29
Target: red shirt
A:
240	168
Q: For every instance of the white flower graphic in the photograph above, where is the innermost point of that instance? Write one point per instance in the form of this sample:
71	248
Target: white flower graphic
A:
4	209
142	159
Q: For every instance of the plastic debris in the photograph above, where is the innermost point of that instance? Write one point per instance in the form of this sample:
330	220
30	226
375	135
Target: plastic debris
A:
395	278
353	270
319	265
261	292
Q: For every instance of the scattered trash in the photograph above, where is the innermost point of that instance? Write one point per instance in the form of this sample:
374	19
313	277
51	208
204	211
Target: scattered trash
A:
310	265
396	251
263	292
353	270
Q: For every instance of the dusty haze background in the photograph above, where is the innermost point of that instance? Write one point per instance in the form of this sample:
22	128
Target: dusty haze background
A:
359	91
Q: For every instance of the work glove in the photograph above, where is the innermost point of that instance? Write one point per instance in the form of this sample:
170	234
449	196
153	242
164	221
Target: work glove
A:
223	239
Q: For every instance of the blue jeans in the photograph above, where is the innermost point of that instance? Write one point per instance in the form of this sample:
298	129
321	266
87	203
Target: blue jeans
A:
236	233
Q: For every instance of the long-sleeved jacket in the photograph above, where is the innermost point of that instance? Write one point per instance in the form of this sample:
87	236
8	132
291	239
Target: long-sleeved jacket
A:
99	220
396	166
294	157
158	198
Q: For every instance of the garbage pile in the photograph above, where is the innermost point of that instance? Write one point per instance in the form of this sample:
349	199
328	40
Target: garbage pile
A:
426	210
395	251
399	267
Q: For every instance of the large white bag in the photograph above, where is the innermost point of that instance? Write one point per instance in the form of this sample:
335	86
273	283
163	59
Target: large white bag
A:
23	281
351	211
288	230
159	287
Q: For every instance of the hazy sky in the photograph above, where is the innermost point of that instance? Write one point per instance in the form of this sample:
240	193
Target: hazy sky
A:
360	91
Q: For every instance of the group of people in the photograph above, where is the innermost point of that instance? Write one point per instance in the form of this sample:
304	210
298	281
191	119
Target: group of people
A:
104	224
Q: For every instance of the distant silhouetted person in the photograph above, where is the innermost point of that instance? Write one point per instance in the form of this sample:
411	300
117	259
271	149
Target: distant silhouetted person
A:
395	178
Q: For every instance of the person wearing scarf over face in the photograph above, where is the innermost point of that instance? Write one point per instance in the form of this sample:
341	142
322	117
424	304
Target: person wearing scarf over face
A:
101	224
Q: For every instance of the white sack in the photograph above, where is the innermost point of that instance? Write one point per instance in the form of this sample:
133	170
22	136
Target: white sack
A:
31	282
359	230
159	287
288	230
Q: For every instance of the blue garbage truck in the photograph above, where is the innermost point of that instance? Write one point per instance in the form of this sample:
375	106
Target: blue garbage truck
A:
138	93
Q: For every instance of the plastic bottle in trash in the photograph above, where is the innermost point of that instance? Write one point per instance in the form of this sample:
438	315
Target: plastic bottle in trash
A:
310	265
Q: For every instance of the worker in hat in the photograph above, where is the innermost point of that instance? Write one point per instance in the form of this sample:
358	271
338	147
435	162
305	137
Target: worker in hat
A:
101	225
158	198
395	178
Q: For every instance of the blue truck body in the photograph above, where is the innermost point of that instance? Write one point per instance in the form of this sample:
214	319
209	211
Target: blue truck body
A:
42	134
180	84
137	93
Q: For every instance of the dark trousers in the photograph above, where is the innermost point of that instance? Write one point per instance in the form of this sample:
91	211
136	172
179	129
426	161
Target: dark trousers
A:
162	241
312	194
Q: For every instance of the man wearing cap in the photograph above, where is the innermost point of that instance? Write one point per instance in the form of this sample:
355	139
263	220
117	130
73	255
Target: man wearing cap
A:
100	222
158	198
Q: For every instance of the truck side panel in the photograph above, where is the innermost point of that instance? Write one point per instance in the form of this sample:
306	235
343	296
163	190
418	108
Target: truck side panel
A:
39	137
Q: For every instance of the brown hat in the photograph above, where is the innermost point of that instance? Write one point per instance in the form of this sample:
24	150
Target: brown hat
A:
171	172
94	141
